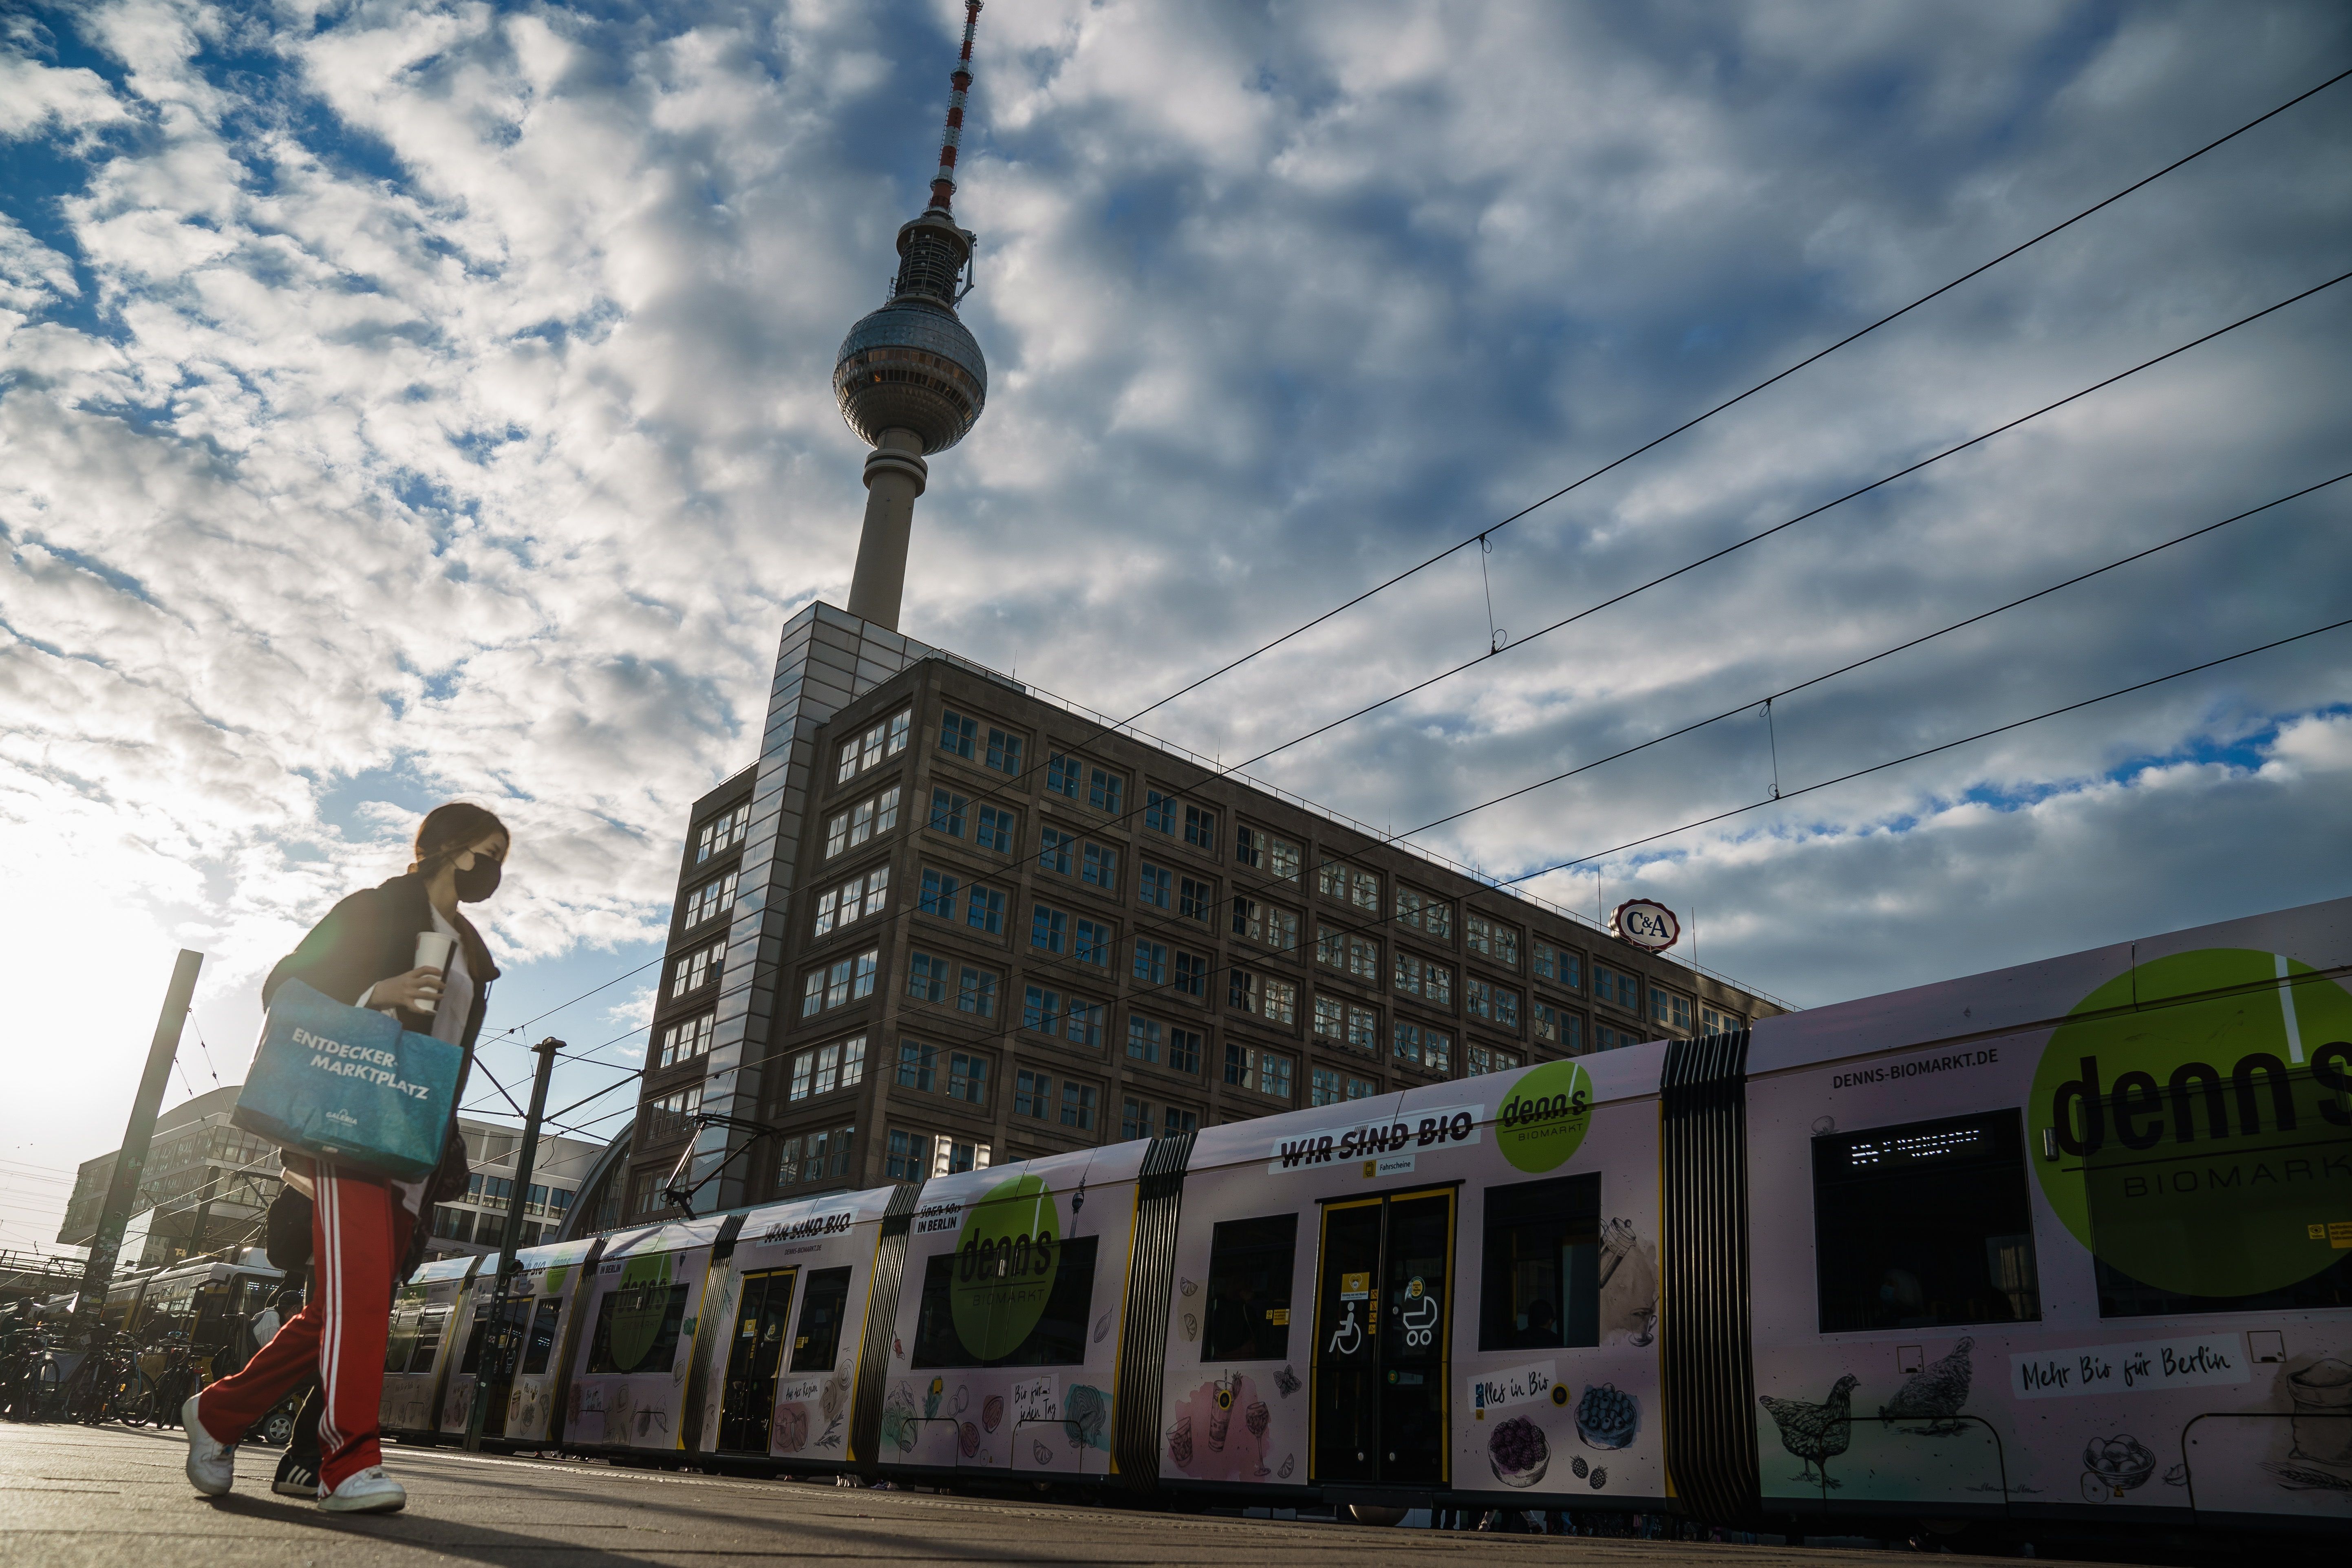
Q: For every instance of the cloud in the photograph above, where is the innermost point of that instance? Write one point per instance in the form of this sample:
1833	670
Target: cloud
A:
414	401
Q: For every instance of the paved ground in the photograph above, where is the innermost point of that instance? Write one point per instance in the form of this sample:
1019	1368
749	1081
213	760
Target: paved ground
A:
96	1497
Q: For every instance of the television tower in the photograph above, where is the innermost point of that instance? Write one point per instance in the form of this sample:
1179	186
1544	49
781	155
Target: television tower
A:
909	378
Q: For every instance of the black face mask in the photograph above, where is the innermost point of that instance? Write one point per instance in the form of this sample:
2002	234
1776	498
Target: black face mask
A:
479	880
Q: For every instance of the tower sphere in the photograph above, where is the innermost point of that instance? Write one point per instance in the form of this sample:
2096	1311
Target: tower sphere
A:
911	366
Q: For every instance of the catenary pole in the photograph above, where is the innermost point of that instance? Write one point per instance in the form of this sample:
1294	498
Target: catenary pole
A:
131	1162
497	1335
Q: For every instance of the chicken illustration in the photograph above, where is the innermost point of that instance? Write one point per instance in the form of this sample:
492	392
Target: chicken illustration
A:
1934	1394
1815	1433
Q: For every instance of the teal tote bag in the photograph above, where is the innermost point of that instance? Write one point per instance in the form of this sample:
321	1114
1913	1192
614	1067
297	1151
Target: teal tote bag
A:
344	1084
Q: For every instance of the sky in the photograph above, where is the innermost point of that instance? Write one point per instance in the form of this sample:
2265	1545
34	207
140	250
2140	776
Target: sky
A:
401	402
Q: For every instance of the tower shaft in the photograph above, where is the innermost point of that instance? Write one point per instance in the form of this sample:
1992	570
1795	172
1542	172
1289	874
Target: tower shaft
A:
895	476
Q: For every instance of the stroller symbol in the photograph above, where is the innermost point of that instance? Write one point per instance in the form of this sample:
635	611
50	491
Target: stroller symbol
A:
1418	1315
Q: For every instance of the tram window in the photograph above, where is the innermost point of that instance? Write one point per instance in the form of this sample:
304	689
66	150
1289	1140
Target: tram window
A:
540	1348
1542	1289
428	1337
1924	1225
822	1311
1248	1309
637	1328
1058	1337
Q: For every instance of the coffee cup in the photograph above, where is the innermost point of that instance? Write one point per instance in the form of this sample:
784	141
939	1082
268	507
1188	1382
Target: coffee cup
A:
433	950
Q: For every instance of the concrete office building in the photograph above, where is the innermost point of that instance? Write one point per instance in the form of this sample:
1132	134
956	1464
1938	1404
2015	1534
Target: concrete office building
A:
944	922
209	1183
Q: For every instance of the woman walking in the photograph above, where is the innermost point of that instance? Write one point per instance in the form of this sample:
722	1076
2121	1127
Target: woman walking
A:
367	1231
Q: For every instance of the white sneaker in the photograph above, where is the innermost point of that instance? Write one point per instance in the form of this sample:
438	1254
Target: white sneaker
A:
212	1466
370	1492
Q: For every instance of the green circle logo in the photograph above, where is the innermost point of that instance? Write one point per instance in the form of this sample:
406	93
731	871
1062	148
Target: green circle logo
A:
1005	1262
2197	1110
1545	1116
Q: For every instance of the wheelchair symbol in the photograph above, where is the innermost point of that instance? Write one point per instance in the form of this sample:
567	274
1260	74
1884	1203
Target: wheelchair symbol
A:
1349	1335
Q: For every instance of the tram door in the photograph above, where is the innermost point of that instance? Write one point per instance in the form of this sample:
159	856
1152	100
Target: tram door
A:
1382	1319
749	1405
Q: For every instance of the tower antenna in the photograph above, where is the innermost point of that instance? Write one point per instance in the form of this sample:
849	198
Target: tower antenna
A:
960	82
910	379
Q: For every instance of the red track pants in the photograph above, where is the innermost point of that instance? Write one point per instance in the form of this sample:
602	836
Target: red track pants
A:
359	1233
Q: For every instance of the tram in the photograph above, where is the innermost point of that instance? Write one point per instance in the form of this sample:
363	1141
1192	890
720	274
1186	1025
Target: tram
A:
2063	1247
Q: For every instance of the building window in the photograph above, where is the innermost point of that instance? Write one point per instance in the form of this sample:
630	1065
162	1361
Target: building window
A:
1564	1030
1105	790
1430	1048
1183	1050
976	992
1262	851
1151	961
1616	988
999	829
1049	928
1143	1039
1479	1059
1323	1086
1424	913
1191	974
1177	1123
1201	828
1098	867
671	1116
1718	1023
940	889
1134	1117
1337	879
968	1079
908	1157
1003	752
1194	900
1061	775
950	1156
1561	966
917	1066
830	985
1605	1038
1078	1106
854	899
1032	1094
1498	1004
697	969
956	732
927	977
1493	939
947	812
1094	942
683	1042
1048	1012
1054	850
1041	1010
848	829
816	1156
1152	885
984	910
1432	982
722	833
1268	1072
1276	1001
887	739
1270	925
1158	812
1082	1023
1346	1024
712	900
1672	1011
824	1068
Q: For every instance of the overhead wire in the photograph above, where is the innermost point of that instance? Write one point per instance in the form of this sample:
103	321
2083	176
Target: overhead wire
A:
1696	420
1814	358
1216	771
